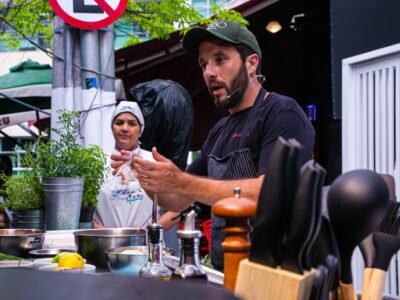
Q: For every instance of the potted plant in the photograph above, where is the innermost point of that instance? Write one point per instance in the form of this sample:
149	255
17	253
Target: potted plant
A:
64	166
23	195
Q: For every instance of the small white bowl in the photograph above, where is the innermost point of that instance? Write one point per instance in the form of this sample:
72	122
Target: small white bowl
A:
54	268
40	262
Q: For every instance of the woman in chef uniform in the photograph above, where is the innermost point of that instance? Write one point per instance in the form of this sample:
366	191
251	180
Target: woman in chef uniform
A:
121	201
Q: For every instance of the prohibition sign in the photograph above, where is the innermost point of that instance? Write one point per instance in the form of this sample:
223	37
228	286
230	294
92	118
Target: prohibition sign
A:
89	14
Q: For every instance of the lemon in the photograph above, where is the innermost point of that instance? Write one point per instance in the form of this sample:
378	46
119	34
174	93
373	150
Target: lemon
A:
71	261
56	258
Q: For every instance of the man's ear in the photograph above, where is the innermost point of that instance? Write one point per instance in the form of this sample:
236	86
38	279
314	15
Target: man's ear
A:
252	62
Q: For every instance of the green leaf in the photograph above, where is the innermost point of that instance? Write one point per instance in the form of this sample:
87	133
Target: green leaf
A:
159	18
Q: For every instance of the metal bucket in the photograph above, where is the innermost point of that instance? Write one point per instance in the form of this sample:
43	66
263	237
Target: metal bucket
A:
30	219
62	199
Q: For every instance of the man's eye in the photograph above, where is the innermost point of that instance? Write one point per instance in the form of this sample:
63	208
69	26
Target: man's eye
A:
219	59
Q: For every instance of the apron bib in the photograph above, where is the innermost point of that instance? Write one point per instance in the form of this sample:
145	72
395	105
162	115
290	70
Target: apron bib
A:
237	164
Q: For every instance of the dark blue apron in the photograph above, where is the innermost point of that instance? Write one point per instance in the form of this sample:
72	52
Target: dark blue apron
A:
235	165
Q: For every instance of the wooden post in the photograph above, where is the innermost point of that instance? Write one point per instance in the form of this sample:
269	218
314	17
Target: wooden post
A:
237	211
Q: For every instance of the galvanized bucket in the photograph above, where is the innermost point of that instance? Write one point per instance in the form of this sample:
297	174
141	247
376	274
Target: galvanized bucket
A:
62	199
30	219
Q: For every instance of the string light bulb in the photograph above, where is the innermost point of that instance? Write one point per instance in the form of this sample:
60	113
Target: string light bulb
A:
273	26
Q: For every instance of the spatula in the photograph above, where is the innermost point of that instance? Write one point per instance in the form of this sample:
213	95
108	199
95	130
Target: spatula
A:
358	200
378	250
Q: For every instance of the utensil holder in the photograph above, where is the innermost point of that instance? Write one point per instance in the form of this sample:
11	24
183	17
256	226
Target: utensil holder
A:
274	284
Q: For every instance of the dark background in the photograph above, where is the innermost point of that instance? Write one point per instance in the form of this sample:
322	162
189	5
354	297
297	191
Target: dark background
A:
360	26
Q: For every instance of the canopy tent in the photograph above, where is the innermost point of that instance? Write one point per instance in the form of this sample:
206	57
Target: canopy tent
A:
28	82
27	87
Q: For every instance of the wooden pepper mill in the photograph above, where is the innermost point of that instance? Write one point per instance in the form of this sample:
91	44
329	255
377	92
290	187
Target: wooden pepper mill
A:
237	211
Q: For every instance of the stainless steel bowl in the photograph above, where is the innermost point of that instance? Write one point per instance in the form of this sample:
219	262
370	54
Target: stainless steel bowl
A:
91	244
127	260
19	242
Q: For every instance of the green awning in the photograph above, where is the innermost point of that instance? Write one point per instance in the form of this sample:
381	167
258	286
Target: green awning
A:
26	73
29	82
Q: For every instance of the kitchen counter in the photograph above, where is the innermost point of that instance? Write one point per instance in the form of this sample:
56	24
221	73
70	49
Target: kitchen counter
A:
65	239
22	284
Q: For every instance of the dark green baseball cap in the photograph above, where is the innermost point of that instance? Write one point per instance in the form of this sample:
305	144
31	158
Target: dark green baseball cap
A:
228	31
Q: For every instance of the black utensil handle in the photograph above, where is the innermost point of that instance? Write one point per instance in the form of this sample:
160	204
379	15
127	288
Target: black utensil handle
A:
270	208
316	225
301	219
318	283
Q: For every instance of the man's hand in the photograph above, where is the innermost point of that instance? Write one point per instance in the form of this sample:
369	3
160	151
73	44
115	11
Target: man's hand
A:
159	176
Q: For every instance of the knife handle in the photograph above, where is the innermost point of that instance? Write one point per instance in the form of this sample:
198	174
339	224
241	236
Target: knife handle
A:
346	291
373	284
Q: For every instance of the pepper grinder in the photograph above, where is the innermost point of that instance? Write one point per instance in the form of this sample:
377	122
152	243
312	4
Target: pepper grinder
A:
155	268
189	263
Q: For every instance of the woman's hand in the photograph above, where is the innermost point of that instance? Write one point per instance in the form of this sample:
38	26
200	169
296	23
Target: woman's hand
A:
97	225
118	159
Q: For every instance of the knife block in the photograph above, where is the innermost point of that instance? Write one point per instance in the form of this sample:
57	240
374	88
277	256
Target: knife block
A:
259	282
236	245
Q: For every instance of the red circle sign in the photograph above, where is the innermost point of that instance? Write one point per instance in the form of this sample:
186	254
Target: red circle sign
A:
89	14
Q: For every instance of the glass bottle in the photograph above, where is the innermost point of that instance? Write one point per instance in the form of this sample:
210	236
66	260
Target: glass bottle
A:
155	267
189	263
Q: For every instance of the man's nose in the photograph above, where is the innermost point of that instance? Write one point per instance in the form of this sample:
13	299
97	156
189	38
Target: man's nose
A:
209	71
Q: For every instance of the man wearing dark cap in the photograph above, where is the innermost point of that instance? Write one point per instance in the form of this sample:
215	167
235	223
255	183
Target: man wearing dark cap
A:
238	147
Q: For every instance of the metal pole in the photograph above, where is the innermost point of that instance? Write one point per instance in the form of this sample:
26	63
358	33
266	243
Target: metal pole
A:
90	58
107	58
65	50
107	67
90	62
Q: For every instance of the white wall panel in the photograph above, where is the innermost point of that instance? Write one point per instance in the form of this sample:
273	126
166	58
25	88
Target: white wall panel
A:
371	128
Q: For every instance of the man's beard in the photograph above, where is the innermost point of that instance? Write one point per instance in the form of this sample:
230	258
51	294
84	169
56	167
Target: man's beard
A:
236	91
